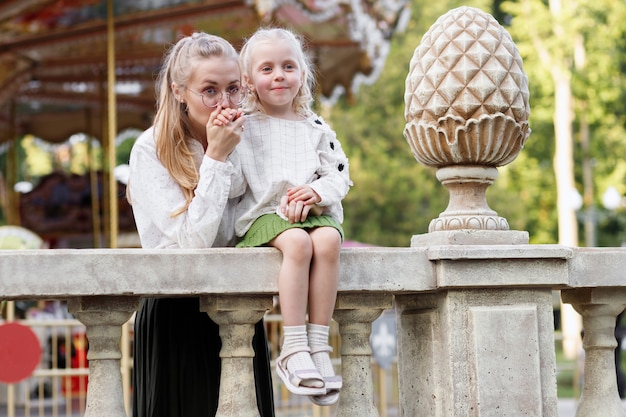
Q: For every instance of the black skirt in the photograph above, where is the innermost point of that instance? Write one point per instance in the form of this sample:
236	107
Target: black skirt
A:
177	365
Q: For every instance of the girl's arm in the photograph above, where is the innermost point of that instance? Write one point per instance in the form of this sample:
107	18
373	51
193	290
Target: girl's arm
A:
333	180
324	194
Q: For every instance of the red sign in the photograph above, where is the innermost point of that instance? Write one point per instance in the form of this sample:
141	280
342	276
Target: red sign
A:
19	352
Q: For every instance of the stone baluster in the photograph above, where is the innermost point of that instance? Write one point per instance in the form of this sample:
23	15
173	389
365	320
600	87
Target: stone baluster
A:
236	316
103	318
599	308
355	314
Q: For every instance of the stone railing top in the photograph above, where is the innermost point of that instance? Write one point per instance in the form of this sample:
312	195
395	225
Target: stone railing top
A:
62	273
459	252
66	273
598	267
489	266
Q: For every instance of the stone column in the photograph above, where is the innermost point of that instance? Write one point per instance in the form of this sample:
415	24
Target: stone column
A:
236	316
599	308
355	314
482	343
487	352
104	318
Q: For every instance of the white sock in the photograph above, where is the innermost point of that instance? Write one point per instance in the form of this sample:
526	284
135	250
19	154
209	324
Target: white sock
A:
318	337
296	336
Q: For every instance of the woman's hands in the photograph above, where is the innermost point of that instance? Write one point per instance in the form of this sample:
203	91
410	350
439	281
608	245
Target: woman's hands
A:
223	132
299	202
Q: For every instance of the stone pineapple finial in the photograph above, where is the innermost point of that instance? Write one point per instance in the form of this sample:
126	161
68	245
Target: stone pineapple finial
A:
466	107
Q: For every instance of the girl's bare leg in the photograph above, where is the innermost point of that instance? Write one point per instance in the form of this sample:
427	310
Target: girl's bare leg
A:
295	366
324	275
323	283
293	279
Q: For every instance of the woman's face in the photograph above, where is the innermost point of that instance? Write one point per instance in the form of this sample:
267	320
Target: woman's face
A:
217	74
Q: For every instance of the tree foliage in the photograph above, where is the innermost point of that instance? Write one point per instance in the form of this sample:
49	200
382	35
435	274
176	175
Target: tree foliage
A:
394	197
590	41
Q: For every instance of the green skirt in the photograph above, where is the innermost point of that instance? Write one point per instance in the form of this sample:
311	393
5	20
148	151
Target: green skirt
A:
268	226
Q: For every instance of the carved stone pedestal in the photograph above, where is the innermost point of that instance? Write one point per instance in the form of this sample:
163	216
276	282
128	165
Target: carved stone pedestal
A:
481	344
499	365
468	208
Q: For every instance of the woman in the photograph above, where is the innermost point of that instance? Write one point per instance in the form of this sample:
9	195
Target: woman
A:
178	188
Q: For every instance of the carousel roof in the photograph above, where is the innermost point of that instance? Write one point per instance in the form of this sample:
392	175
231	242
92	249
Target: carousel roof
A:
53	53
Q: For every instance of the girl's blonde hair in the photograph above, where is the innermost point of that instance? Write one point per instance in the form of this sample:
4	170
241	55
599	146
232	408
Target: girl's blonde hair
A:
171	124
304	98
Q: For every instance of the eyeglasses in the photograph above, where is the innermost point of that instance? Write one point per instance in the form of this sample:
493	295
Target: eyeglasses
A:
212	97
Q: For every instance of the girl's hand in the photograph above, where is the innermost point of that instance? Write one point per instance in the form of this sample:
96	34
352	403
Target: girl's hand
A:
303	193
223	116
223	132
297	210
294	211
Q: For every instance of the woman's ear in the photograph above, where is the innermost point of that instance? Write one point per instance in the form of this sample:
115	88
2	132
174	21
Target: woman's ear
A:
176	92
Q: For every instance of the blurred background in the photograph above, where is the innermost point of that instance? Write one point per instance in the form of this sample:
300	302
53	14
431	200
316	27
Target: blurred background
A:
77	88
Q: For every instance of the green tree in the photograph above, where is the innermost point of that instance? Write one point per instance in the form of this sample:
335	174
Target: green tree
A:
574	55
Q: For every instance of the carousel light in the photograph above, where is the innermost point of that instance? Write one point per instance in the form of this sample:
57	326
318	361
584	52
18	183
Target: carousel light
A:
128	88
23	187
121	173
574	199
611	199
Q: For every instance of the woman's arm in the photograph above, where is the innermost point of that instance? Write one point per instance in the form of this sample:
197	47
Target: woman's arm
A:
155	196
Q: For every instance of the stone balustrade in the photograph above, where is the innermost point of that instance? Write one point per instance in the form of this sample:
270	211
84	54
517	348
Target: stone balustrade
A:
475	322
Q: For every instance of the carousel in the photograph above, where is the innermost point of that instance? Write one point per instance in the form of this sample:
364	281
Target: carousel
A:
87	67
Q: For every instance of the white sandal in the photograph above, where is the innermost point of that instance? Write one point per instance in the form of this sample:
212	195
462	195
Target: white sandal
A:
293	380
332	383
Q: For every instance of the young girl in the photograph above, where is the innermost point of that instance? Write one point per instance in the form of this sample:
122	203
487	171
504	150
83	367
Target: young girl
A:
295	175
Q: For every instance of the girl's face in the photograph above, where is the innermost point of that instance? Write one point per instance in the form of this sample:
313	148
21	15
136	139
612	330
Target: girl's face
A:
276	76
212	74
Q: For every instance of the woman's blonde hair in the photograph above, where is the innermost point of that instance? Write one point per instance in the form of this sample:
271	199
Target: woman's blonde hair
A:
304	98
171	124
